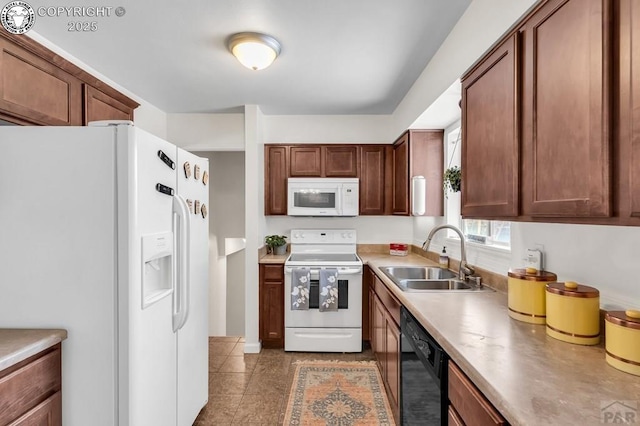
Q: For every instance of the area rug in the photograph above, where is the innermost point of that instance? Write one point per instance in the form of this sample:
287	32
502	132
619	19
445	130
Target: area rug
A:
338	393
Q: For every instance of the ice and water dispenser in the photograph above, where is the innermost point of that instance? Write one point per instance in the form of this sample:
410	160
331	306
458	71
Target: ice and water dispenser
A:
157	254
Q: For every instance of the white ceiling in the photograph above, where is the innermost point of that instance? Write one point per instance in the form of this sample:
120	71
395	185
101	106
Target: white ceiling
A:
338	56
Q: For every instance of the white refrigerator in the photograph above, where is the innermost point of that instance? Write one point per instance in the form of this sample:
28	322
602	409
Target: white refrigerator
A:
104	232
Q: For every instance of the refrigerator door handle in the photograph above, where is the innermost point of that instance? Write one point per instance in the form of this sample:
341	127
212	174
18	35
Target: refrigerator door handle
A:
181	263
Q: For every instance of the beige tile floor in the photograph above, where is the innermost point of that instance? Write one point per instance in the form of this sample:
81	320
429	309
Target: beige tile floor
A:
253	389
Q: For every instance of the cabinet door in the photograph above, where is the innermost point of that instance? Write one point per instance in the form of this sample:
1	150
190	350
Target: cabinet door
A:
47	413
272	306
367	281
490	145
634	159
341	161
305	161
100	106
37	91
379	329
275	178
469	403
629	110
453	417
401	176
372	179
566	163
392	339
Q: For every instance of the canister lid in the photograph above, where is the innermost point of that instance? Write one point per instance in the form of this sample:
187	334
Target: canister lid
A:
522	274
572	289
622	318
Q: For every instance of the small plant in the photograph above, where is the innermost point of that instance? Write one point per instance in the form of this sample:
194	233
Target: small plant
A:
274	241
452	179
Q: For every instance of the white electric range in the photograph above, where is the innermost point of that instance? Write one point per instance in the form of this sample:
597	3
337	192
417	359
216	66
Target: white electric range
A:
312	330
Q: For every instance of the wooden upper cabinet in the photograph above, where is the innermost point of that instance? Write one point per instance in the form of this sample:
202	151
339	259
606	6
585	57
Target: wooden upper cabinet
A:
37	86
341	161
35	91
566	164
628	124
634	90
305	161
372	179
275	180
490	144
100	106
418	153
400	204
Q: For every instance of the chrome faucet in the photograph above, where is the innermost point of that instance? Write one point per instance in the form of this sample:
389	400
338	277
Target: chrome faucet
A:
465	270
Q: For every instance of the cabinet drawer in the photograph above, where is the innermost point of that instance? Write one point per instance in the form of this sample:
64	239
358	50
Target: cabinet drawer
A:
468	401
454	417
273	272
48	413
29	385
388	300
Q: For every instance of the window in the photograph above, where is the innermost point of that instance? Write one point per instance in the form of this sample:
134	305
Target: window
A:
495	232
489	232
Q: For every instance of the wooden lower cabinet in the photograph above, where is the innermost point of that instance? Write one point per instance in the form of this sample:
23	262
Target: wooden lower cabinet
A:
271	315
468	406
453	417
385	341
31	390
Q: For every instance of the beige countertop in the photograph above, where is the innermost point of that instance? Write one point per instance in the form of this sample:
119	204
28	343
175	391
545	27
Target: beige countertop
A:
278	259
532	379
19	344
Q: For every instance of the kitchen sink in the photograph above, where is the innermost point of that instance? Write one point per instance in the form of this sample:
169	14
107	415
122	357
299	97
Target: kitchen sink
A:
413	285
425	279
417	273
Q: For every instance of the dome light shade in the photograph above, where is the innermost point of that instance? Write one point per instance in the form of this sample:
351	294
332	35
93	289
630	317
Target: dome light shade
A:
254	50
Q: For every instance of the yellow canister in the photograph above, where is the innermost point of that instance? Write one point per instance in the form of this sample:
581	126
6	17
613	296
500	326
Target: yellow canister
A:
526	294
622	330
573	313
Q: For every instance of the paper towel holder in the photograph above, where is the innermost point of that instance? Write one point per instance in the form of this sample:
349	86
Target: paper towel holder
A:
418	195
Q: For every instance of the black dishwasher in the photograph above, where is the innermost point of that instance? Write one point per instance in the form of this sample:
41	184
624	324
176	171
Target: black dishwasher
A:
423	376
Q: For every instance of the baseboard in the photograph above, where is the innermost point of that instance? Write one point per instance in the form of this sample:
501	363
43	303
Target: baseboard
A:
252	348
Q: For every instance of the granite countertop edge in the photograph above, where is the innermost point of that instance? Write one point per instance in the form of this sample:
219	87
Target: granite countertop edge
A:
16	345
531	378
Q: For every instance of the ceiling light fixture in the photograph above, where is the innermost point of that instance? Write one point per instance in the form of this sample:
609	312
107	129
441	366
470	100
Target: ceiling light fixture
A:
254	50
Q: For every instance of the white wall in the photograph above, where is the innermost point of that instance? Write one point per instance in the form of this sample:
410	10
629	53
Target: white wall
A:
480	26
605	257
369	229
226	200
207	132
254	216
328	129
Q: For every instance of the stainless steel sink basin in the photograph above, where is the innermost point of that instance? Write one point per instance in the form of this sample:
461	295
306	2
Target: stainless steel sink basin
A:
417	285
425	279
417	273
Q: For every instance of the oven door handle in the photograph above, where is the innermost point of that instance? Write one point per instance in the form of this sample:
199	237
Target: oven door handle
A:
341	272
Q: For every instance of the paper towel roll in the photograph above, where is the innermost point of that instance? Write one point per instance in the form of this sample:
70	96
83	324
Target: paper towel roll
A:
418	195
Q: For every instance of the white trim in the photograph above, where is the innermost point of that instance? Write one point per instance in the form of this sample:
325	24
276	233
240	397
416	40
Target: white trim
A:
252	348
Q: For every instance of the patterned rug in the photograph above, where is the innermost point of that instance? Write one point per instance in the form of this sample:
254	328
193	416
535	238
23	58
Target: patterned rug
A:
339	393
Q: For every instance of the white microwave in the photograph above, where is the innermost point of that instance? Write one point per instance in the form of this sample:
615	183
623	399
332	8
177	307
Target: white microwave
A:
322	197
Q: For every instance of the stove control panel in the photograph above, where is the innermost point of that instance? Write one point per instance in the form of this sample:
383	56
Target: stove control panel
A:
323	236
